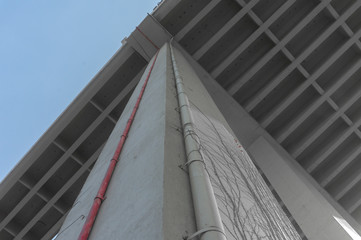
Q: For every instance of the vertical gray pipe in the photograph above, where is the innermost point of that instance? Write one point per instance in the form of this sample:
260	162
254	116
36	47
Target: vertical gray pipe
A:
209	224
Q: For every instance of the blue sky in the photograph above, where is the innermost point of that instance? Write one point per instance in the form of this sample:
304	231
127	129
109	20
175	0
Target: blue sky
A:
49	50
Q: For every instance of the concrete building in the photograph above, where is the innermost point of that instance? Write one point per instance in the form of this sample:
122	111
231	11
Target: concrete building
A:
285	77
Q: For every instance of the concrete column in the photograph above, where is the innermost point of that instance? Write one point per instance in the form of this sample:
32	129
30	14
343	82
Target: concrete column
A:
246	205
149	195
312	208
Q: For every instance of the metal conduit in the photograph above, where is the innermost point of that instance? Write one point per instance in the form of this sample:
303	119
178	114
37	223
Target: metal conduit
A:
209	224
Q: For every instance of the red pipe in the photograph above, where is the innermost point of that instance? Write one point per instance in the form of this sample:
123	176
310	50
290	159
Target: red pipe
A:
88	225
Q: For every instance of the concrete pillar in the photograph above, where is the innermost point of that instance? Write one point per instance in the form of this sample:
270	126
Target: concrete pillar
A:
248	208
312	208
149	196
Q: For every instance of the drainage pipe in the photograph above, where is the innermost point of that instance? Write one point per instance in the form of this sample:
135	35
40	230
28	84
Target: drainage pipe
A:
209	224
88	225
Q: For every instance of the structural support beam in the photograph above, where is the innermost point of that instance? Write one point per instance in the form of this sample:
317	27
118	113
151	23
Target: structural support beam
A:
279	46
205	47
59	193
319	71
69	151
58	126
297	152
196	19
312	108
231	57
248	131
338	168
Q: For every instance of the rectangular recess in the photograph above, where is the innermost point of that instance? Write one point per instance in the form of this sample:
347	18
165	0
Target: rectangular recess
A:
68	198
291	17
277	95
78	125
335	72
209	25
341	5
245	60
118	110
262	78
60	177
310	33
181	14
354	112
352	196
30	209
357	215
354	21
323	142
95	139
126	72
11	198
307	127
228	42
348	89
324	51
346	176
293	110
337	157
265	8
42	226
5	235
42	165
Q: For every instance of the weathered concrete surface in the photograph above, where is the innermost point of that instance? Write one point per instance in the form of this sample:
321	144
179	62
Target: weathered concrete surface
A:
231	171
149	195
315	202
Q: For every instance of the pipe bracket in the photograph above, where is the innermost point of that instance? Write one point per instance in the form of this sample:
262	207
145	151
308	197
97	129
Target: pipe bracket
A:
204	230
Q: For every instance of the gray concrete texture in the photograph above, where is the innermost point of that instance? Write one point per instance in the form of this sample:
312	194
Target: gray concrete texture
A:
149	196
206	113
310	206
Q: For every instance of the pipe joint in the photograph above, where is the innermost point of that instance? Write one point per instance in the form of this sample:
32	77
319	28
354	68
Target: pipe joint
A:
101	198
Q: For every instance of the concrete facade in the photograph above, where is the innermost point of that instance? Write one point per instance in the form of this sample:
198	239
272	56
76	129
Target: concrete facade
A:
149	196
286	71
297	190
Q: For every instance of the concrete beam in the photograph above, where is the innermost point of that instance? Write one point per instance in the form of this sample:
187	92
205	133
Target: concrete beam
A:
248	131
66	117
312	108
231	57
281	44
190	25
51	202
205	47
69	151
318	72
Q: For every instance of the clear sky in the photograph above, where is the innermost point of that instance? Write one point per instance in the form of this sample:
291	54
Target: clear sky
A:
49	50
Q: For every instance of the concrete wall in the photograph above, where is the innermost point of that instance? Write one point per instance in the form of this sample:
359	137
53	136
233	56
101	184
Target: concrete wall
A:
246	205
148	196
315	202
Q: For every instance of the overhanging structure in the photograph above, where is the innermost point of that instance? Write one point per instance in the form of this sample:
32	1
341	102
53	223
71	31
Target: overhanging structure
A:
285	74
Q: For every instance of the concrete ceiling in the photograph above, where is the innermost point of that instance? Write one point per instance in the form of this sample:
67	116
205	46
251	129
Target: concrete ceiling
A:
293	65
